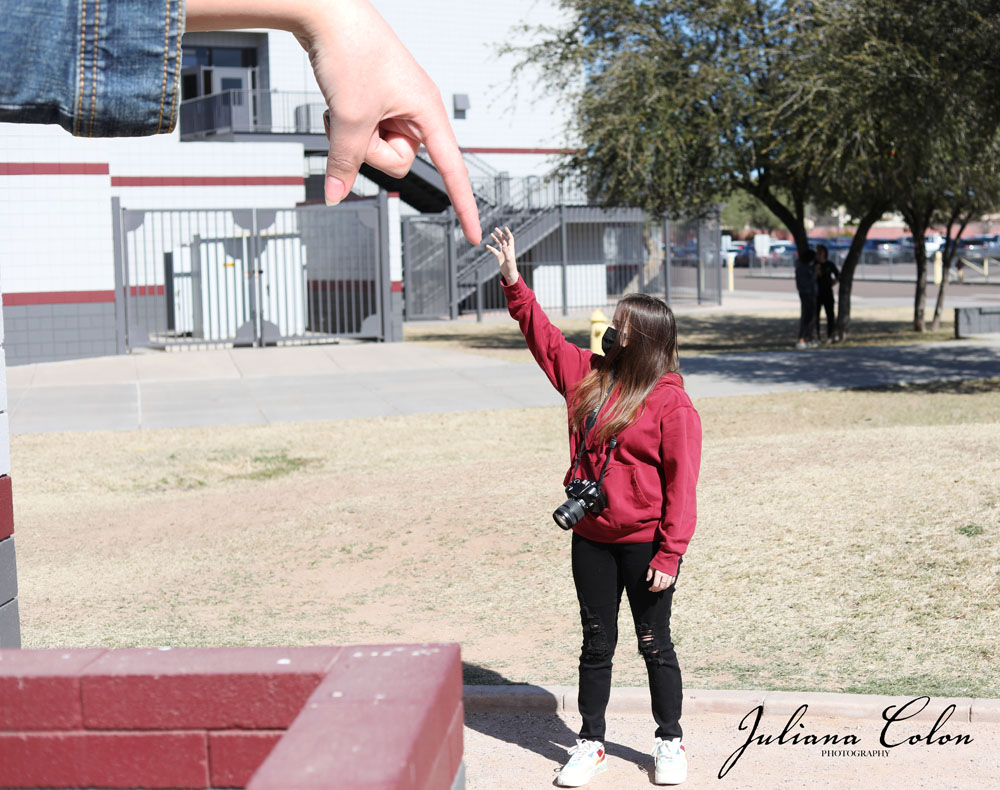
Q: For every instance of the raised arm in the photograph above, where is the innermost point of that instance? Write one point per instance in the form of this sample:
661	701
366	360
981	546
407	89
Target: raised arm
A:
563	362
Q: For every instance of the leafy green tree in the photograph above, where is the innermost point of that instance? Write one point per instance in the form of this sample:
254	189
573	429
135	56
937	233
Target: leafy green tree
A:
868	104
925	68
679	102
743	210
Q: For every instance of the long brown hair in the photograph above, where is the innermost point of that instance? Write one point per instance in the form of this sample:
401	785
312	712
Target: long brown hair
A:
632	370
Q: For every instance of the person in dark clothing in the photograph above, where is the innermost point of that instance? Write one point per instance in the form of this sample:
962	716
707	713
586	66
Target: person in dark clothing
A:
829	276
805	282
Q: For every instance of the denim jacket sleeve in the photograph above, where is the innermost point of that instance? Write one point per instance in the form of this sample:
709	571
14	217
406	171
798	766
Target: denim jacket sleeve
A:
98	68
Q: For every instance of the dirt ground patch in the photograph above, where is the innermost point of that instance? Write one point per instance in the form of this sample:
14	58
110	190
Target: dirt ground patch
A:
846	541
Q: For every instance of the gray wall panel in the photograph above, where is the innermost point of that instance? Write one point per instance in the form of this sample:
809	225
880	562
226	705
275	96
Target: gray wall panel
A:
10	625
8	570
54	332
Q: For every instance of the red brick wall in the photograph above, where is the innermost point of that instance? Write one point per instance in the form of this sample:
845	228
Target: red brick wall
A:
257	717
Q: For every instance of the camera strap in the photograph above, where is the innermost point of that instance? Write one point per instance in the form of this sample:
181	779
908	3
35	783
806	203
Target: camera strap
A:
591	420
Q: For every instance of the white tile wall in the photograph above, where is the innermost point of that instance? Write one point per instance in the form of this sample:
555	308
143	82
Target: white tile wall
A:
57	228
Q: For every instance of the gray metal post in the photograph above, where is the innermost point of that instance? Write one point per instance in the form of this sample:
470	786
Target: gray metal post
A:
121	339
640	247
197	312
383	283
564	252
258	272
168	290
407	292
666	259
717	245
479	296
698	256
452	266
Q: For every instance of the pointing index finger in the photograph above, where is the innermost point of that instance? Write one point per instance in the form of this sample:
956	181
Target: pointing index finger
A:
443	150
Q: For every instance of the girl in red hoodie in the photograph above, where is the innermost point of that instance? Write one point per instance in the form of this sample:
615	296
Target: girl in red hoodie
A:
643	443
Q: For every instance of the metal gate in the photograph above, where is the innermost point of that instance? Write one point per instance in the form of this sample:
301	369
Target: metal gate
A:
428	266
250	277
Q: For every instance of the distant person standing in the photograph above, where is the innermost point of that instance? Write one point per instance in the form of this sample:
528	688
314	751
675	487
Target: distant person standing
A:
808	287
828	276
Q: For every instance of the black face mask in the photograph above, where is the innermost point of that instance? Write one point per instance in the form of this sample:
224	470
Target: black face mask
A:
608	341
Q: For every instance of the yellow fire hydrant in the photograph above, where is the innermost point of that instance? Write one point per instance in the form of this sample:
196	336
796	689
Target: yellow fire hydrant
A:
598	324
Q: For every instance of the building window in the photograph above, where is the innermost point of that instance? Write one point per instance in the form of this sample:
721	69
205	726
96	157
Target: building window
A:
461	104
240	57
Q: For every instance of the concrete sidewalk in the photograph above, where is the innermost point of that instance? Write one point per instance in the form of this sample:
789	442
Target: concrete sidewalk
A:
342	381
523	751
516	736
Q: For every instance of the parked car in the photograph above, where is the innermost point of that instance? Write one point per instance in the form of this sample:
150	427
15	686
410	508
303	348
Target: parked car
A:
932	243
976	246
743	250
880	250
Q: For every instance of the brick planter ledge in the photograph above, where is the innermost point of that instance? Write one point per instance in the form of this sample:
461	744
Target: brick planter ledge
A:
263	718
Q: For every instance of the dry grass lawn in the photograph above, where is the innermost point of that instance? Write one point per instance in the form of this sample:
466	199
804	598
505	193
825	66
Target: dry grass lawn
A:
846	541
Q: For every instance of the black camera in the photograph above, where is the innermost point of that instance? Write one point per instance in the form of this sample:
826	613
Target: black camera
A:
584	496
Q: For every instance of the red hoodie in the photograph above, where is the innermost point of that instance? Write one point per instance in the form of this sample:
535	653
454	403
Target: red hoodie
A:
651	478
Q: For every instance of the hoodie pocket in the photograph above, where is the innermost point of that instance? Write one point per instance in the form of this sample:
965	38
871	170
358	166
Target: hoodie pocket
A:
627	504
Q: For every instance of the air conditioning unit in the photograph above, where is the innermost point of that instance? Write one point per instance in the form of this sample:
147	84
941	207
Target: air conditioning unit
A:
309	118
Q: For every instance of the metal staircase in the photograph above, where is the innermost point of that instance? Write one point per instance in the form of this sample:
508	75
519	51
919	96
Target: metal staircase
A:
530	206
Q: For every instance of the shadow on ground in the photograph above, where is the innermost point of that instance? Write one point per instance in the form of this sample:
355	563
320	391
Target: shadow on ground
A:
850	368
708	334
541	730
717	334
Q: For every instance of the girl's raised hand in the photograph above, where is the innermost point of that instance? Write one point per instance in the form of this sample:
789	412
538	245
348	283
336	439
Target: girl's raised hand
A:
505	255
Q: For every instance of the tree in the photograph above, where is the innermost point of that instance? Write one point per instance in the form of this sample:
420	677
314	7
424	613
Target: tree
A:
742	210
869	104
911	97
679	102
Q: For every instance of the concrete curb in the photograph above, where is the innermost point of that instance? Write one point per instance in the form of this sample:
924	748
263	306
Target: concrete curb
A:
528	698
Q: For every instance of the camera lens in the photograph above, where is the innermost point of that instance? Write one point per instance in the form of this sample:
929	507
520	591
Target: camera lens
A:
567	514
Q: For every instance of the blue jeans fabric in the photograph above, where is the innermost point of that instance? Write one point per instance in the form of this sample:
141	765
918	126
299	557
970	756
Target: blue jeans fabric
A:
98	69
601	571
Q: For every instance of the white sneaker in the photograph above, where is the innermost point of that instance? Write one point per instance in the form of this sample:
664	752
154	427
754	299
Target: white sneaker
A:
588	760
670	761
801	344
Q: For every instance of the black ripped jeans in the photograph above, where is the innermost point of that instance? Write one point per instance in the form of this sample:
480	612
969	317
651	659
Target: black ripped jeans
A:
601	571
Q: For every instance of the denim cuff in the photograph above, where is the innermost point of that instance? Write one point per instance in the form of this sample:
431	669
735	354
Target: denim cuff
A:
98	68
129	68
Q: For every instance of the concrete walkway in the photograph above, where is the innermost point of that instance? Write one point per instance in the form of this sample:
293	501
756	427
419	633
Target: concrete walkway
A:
347	380
516	736
525	750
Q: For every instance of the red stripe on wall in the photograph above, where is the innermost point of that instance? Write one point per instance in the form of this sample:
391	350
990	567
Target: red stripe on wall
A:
397	286
58	297
6	508
206	181
54	168
521	150
146	290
